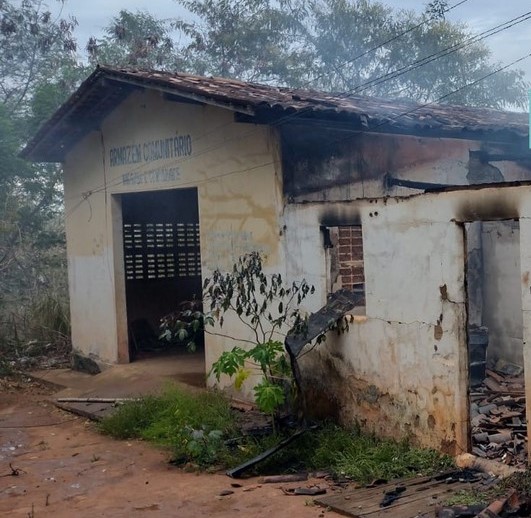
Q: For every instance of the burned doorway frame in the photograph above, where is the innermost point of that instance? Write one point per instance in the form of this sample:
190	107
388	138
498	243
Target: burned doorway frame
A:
120	273
466	362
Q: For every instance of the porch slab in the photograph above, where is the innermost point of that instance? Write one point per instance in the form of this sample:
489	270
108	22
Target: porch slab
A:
142	377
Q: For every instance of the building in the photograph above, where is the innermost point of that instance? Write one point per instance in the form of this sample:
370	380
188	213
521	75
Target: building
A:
425	208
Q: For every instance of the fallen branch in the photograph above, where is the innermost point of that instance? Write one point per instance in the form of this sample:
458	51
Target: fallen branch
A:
15	472
276	479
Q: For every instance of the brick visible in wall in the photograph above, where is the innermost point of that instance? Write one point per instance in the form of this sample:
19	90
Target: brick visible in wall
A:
350	252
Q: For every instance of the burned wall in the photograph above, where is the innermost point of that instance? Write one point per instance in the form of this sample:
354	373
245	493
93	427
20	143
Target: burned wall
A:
334	164
397	369
402	369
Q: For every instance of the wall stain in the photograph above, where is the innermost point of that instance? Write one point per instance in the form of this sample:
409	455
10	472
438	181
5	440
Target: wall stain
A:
438	332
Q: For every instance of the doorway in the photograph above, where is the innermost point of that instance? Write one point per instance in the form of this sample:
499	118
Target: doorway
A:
495	341
162	264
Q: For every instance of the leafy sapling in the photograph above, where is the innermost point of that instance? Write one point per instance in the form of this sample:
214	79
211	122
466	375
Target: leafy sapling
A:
268	307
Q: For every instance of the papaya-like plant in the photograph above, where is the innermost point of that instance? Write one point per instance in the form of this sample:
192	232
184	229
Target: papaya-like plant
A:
268	307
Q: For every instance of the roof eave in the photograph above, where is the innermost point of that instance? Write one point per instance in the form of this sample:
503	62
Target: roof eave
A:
36	149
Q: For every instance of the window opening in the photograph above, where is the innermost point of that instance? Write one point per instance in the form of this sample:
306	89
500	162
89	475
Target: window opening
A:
344	246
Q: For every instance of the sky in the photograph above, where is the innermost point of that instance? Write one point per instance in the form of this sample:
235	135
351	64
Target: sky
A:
479	15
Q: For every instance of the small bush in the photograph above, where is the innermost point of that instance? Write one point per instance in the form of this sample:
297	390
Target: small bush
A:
36	333
131	419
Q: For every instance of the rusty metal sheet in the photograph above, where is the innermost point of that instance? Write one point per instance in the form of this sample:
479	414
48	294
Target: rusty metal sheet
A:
338	305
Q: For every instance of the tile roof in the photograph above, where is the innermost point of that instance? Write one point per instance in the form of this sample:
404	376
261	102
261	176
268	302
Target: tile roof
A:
107	87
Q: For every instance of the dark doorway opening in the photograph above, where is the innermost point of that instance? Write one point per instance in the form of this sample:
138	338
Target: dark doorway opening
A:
495	341
162	260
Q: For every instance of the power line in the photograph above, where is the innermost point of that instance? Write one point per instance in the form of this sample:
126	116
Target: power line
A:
499	28
443	53
390	40
337	141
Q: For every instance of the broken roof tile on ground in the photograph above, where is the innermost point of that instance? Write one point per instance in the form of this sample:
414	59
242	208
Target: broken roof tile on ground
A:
498	414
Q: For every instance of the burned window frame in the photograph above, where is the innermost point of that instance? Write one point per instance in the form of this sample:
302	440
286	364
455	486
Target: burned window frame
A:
346	261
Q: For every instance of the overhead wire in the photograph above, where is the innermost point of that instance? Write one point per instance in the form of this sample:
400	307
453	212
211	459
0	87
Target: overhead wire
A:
501	27
443	53
390	40
304	110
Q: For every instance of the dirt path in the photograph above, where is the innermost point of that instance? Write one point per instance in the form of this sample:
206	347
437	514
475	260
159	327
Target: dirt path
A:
65	468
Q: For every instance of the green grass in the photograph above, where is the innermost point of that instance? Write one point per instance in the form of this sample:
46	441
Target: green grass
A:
192	425
363	457
468	497
520	481
201	428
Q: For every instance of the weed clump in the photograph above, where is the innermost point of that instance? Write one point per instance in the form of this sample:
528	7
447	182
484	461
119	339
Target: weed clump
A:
202	429
193	425
361	457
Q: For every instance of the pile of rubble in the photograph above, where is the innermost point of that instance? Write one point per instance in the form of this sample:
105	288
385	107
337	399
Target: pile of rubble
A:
497	410
514	504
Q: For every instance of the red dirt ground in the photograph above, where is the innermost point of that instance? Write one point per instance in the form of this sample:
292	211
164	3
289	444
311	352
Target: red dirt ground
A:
65	468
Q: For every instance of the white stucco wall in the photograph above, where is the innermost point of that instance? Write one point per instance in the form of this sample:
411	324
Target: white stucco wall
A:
403	370
233	165
390	372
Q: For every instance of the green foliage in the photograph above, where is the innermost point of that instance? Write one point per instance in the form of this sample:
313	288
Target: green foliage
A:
201	428
185	326
38	70
270	358
466	497
34	45
361	457
264	303
230	362
5	368
193	425
49	317
344	30
136	40
202	445
267	306
253	40
519	482
324	44
269	396
131	419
